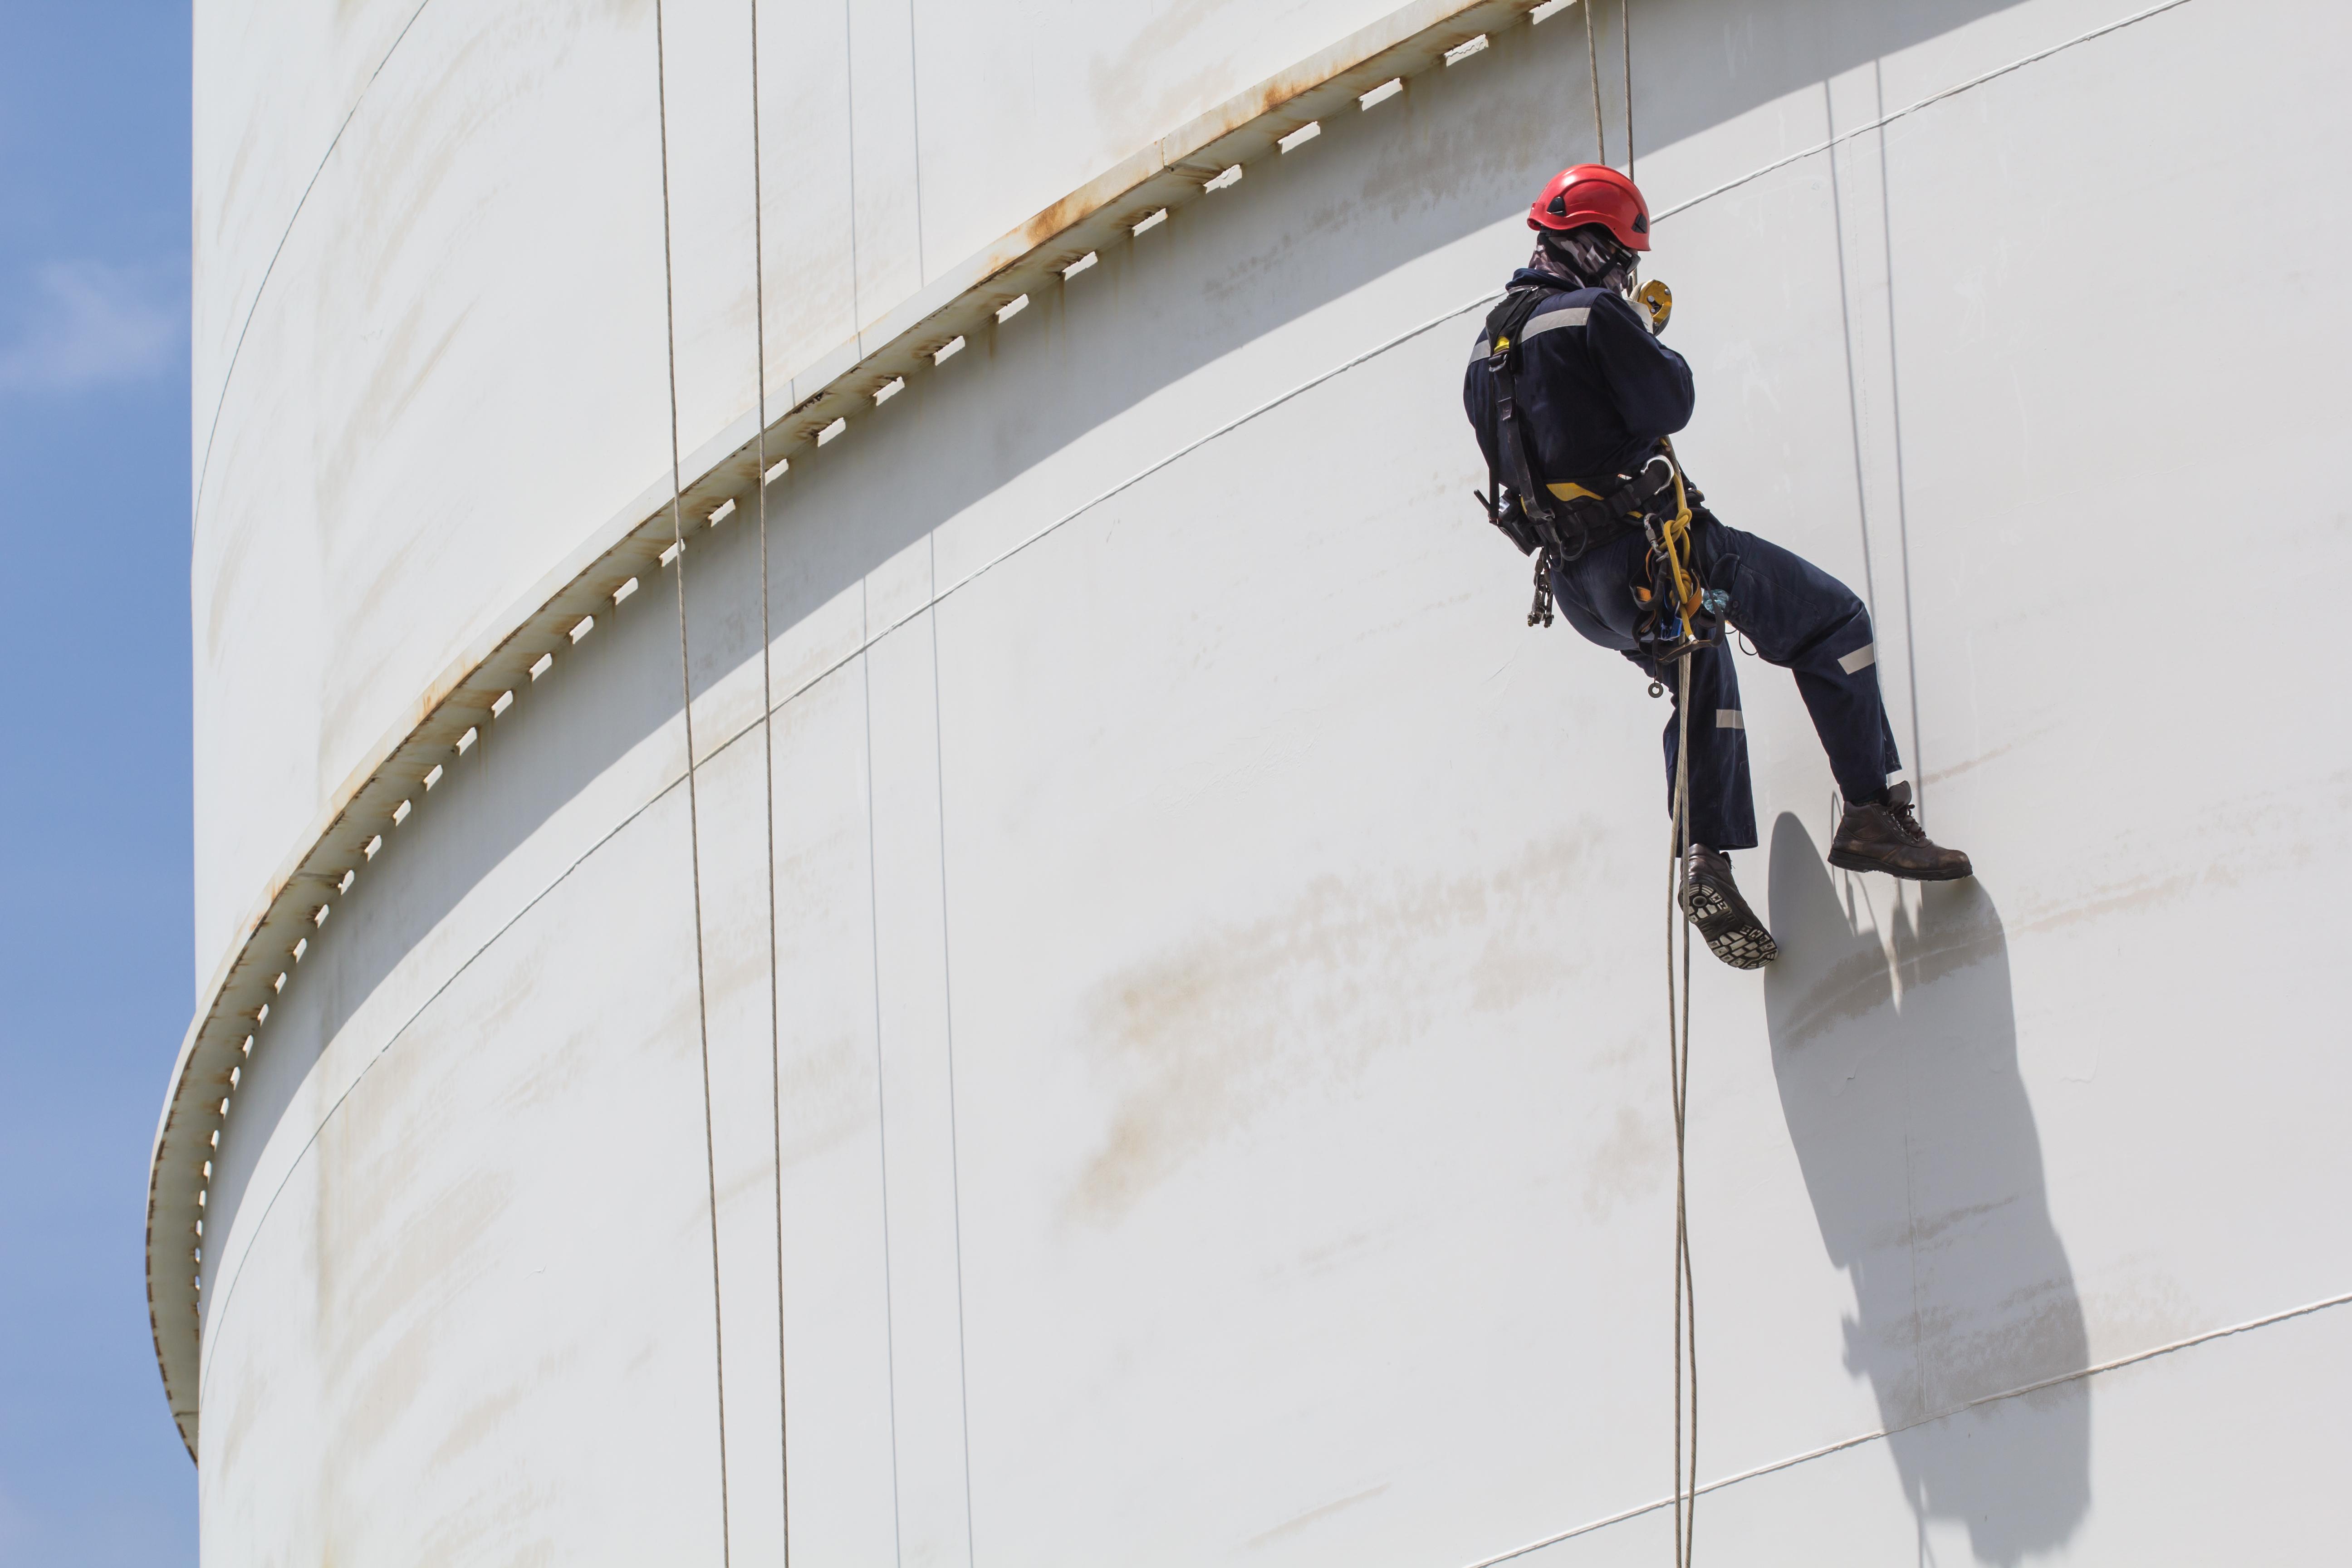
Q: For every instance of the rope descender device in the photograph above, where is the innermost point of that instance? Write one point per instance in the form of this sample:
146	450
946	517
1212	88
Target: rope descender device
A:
1675	597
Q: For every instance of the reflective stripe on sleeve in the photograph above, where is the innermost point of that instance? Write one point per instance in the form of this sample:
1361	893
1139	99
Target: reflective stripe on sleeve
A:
1482	349
1859	658
1545	321
1730	718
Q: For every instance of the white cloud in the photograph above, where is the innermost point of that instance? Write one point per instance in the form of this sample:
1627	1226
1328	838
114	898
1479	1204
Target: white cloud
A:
88	323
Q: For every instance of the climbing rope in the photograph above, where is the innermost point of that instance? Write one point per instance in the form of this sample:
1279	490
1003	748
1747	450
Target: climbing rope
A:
1593	63
1681	574
1678	1080
1592	59
768	760
693	808
1625	36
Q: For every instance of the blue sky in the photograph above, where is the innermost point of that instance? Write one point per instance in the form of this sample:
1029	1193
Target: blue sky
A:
94	816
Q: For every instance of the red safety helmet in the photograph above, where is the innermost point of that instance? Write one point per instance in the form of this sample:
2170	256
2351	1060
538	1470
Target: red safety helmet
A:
1593	193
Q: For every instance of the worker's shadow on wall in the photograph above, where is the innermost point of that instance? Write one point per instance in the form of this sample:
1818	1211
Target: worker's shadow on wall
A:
1899	1080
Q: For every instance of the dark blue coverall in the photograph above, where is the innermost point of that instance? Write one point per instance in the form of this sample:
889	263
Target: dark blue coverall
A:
1596	391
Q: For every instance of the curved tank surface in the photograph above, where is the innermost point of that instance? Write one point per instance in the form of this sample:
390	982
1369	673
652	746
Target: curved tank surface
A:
1140	1035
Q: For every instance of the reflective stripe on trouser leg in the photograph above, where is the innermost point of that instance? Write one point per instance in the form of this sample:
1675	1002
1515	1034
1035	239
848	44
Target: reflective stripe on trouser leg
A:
1803	619
1722	802
1592	596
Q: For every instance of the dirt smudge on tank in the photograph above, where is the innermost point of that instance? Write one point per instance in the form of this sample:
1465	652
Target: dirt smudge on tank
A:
488	1408
2029	1334
1313	1516
1631	1162
1442	160
1479	133
400	1263
1169	97
1204	1037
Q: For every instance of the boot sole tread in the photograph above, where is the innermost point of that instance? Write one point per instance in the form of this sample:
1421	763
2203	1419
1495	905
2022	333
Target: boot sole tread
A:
1738	941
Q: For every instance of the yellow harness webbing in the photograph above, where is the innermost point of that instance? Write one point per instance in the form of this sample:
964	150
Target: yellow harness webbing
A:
1675	531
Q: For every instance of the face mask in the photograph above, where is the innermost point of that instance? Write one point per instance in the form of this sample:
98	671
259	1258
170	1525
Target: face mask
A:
1594	257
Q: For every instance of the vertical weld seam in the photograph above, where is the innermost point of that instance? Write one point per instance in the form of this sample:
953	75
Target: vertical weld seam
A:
881	1096
947	987
768	775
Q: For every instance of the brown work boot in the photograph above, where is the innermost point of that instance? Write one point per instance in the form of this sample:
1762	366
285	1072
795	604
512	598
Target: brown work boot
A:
1883	835
1729	928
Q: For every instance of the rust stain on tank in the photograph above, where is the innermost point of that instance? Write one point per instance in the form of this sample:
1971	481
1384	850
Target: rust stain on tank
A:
1206	1037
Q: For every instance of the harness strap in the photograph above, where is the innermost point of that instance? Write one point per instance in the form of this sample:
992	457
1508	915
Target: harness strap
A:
1558	522
1527	515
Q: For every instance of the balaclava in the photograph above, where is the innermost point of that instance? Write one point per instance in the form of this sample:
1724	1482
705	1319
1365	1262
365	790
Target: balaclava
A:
1589	255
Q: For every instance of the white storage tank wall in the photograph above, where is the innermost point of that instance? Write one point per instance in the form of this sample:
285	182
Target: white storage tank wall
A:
1220	1090
429	330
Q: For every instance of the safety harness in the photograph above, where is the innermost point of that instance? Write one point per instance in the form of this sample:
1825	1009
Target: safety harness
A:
1518	500
1558	522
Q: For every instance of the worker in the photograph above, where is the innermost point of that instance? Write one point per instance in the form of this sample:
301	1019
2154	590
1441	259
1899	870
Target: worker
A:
1572	396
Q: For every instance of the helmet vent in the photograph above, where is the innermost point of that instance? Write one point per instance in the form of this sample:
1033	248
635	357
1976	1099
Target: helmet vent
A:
1559	207
1641	223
